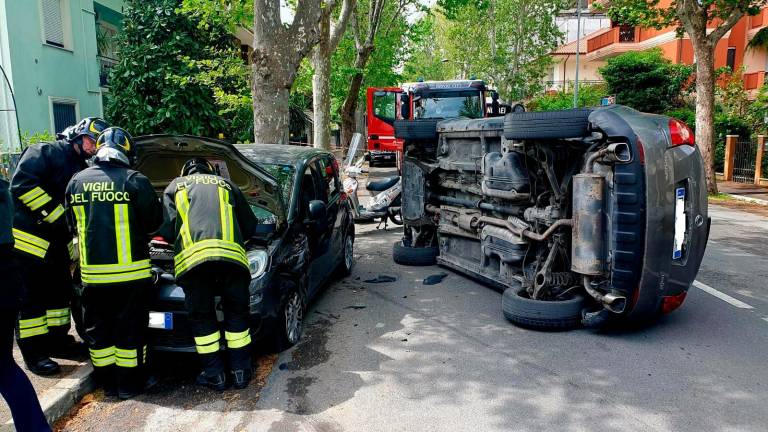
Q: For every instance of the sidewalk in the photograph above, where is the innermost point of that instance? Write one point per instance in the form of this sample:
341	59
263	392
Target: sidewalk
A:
58	393
744	192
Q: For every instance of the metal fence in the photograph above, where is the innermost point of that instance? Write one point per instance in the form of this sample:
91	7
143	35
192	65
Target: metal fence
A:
744	158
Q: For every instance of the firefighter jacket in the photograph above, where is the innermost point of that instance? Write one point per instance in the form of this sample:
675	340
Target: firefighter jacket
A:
6	214
114	211
38	187
208	219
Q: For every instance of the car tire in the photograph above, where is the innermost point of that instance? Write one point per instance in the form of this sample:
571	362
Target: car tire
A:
414	256
572	123
290	323
348	256
422	129
396	218
518	308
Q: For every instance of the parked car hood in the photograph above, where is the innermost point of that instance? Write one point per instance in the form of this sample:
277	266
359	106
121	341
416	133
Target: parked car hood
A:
161	157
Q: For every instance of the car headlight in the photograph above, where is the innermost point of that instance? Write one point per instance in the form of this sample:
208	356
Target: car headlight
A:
258	261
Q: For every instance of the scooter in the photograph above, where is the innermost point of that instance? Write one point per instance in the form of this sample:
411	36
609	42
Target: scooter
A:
385	204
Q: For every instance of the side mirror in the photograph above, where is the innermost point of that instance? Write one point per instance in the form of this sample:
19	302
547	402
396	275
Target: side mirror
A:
317	211
405	106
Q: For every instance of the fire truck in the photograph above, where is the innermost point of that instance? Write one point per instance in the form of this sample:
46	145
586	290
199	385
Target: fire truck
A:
424	100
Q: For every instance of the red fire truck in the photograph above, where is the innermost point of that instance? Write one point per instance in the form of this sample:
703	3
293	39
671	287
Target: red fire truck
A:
421	100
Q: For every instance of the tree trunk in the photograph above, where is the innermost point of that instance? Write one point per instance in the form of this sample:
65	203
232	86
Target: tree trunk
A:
705	109
348	109
321	89
270	89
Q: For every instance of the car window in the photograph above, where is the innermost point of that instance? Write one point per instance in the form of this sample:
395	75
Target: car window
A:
330	179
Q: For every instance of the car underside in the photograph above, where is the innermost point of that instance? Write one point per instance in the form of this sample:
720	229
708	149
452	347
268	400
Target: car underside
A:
580	216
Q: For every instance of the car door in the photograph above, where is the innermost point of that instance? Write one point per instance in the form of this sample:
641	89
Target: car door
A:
332	190
325	240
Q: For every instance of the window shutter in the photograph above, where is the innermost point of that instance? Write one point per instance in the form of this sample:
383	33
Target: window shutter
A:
53	27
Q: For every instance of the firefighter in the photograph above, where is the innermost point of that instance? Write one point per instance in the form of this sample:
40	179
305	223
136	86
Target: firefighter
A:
208	218
43	243
114	210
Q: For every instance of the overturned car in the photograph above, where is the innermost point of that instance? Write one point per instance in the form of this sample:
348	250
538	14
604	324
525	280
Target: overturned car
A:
580	216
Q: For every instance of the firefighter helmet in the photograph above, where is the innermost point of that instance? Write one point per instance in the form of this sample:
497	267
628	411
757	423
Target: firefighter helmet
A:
90	126
197	165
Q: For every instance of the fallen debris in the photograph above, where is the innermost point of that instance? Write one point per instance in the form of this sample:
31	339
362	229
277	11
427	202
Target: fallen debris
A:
381	279
434	279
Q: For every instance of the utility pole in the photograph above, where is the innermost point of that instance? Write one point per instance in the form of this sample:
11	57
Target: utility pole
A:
578	49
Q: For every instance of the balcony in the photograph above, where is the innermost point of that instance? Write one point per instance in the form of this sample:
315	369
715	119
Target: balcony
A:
612	42
758	20
105	65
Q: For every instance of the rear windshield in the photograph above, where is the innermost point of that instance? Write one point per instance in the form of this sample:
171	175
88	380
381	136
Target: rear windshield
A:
284	176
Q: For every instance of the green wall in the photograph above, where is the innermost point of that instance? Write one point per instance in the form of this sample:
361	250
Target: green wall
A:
41	72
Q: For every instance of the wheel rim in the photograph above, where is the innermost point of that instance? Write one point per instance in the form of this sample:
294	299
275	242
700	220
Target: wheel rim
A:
349	253
293	317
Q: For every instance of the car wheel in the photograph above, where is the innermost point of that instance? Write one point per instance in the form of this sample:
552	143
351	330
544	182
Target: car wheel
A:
348	258
422	129
524	311
573	123
414	256
291	320
396	218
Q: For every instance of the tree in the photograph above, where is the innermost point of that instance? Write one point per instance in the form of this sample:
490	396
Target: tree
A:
156	86
646	80
331	32
705	22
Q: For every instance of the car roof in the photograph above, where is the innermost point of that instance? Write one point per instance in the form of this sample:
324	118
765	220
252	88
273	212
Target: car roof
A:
279	153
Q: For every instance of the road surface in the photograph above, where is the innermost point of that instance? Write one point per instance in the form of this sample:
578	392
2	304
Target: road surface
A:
404	356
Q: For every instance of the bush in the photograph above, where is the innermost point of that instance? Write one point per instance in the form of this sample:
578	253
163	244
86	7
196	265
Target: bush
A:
646	80
589	95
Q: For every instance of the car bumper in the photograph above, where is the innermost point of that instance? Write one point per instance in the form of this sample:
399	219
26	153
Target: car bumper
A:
383	157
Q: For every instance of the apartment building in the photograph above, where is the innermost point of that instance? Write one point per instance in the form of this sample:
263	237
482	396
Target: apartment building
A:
56	55
616	39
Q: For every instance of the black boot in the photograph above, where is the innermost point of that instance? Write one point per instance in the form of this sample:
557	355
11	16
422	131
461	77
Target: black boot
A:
42	366
217	382
241	378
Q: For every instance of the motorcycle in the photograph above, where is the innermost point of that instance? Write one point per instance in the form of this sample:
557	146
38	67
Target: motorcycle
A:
385	202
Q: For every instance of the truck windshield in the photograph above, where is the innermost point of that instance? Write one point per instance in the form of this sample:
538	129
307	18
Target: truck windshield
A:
449	104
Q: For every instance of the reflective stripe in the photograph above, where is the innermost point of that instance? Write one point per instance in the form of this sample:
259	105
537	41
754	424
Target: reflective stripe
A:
32	322
31	239
208	344
39	202
126	358
25	333
122	234
113	273
103	357
55	214
182	205
79	212
207	349
31	195
32	250
115	268
58	317
225	213
206	249
238	340
144	355
116	277
71	250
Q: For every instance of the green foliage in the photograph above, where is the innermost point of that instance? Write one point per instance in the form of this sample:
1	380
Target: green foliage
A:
757	112
589	95
649	13
646	80
28	138
162	81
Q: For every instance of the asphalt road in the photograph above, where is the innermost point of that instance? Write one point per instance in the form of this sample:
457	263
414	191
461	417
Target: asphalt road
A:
404	356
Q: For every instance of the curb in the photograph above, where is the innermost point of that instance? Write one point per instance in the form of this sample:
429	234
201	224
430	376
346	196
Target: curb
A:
748	199
59	399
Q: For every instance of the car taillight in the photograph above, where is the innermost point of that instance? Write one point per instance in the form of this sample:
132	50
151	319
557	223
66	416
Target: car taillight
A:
680	133
671	303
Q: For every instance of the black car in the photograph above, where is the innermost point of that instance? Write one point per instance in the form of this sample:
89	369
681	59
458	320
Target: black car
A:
581	216
306	232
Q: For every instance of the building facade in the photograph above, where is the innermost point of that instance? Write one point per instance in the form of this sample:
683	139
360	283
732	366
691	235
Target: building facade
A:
615	39
56	55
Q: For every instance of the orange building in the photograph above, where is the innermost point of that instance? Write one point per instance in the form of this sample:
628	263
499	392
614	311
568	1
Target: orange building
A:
731	50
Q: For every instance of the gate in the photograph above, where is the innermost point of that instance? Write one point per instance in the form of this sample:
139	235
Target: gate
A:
744	157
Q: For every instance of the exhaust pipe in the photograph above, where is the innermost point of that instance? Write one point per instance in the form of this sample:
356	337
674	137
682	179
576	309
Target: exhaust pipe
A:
612	302
618	152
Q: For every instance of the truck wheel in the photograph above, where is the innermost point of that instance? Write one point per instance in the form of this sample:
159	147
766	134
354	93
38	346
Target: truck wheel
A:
572	123
423	129
414	256
521	310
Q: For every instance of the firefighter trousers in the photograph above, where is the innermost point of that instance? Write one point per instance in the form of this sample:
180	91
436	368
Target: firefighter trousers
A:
201	285
115	318
45	315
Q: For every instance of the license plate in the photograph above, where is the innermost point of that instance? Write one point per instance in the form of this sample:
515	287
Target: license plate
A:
161	320
680	224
